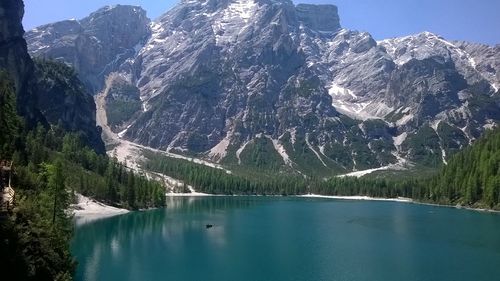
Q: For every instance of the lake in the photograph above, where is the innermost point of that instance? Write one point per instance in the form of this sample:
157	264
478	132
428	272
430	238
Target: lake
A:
290	238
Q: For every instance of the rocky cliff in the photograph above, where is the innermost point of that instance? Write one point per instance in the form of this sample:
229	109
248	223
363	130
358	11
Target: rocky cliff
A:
14	58
266	83
63	100
48	93
96	45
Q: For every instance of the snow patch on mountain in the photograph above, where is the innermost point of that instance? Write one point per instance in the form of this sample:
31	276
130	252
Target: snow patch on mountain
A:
421	46
233	21
347	102
462	53
241	8
157	31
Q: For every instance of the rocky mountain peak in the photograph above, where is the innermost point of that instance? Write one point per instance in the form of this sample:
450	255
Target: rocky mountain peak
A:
227	80
95	45
118	17
319	17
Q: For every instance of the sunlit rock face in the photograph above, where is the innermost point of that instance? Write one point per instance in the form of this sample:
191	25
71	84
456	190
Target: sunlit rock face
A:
222	79
95	45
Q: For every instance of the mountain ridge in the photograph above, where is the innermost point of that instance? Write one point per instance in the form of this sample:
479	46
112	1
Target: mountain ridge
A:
89	44
217	78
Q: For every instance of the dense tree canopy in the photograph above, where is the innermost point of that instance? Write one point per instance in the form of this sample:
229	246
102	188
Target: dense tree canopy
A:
50	165
471	178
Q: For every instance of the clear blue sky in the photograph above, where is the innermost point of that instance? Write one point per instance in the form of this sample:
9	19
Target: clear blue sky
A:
471	20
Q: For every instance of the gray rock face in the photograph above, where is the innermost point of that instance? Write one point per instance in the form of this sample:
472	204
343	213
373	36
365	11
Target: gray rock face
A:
486	60
230	71
14	58
63	100
96	45
319	17
46	94
220	78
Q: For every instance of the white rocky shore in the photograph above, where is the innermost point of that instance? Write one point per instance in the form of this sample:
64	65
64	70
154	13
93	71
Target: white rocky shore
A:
398	199
187	194
88	209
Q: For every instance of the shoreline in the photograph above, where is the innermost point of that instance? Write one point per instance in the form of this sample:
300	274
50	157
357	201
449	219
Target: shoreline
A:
340	197
400	200
459	207
358	198
88	210
190	194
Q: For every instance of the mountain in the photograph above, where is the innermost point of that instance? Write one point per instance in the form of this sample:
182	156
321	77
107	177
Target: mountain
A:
273	86
96	45
46	93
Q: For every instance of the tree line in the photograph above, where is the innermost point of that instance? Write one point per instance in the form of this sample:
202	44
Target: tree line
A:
50	166
87	172
471	178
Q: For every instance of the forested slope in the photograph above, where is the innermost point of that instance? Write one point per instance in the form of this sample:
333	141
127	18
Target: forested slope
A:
50	164
472	176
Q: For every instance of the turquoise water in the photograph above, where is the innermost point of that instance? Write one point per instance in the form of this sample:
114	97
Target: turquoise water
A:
272	238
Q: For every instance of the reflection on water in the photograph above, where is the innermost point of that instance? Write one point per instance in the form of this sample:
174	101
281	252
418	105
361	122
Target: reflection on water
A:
181	215
201	204
135	223
270	238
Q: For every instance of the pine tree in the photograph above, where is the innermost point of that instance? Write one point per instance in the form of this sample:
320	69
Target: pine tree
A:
57	189
131	190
